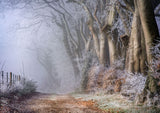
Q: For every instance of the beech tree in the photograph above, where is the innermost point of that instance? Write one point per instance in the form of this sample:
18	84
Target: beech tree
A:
75	41
103	36
144	35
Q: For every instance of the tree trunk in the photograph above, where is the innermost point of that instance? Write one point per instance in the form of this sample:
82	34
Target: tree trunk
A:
103	49
130	59
143	35
111	36
149	25
112	50
136	41
143	56
95	39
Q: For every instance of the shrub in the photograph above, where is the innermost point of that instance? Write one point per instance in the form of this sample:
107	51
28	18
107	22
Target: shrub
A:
20	88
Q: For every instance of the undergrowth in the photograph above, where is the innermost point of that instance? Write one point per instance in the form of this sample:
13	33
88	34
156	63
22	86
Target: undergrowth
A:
20	88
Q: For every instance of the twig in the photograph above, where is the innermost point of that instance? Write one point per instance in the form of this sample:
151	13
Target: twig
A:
96	18
3	65
13	108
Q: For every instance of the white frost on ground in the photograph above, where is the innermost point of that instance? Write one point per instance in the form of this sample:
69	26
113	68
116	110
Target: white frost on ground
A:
106	101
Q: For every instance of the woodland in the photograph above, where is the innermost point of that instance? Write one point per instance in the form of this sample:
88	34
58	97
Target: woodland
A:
113	45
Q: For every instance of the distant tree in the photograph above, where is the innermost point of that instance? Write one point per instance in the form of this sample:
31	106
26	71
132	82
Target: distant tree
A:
100	23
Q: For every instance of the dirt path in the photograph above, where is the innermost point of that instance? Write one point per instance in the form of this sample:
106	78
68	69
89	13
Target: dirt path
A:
59	104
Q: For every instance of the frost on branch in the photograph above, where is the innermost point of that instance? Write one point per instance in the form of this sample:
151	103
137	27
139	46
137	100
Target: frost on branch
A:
107	79
134	84
22	87
115	80
155	64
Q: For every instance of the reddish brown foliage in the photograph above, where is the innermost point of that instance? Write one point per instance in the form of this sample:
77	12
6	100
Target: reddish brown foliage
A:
124	39
158	67
104	79
4	109
100	78
95	78
118	84
159	83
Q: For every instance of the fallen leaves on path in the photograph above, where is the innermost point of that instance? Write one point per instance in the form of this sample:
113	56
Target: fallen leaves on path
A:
54	104
61	104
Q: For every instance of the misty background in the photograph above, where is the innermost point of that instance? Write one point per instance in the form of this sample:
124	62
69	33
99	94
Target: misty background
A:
24	40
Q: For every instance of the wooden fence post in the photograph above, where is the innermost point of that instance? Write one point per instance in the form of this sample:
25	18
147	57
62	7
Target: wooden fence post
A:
7	77
10	78
0	80
16	77
2	77
19	78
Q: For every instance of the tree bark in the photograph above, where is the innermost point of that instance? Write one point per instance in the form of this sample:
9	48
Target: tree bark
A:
143	35
130	60
103	49
149	26
136	41
111	36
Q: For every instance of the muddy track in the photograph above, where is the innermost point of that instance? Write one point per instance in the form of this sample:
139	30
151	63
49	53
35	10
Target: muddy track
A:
58	104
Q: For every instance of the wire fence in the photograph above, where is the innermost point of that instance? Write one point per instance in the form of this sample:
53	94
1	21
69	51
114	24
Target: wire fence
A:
8	78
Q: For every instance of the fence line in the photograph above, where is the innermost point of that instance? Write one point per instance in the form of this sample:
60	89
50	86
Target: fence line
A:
8	78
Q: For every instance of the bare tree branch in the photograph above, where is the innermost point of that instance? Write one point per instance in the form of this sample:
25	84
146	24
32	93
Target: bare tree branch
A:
96	18
81	31
65	22
69	33
123	18
52	7
65	10
3	65
128	5
90	25
87	47
157	10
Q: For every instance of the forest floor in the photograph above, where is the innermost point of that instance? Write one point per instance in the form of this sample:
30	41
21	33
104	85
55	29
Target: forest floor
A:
71	103
47	103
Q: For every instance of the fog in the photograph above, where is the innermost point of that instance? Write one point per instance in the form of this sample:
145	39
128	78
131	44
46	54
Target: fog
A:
23	40
32	45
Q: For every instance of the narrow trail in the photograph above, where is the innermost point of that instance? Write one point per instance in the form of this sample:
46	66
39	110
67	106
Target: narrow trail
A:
59	104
